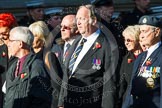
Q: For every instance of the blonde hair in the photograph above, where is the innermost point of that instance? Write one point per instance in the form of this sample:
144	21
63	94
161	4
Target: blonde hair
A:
132	31
40	29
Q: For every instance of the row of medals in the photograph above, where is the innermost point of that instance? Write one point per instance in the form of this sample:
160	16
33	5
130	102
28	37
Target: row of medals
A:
150	75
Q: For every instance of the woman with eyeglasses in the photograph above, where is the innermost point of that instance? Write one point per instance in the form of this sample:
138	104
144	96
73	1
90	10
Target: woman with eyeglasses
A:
7	22
131	38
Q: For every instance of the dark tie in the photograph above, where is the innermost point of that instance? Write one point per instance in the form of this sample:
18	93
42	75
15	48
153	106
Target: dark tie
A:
66	51
17	68
75	54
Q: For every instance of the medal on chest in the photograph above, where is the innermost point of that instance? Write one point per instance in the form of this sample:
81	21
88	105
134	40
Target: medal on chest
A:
150	73
96	64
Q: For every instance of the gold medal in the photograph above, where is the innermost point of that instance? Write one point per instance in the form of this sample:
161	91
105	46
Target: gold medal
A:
154	75
150	82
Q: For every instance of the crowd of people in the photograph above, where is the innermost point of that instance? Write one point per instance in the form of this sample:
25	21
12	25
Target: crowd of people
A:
81	60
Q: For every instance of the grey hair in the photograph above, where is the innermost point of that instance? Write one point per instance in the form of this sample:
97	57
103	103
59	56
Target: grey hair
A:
91	9
22	33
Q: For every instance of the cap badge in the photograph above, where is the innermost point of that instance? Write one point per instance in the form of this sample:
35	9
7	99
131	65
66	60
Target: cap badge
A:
144	20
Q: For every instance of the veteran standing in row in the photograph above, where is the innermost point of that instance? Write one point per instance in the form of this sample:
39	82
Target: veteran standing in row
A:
90	81
145	89
27	82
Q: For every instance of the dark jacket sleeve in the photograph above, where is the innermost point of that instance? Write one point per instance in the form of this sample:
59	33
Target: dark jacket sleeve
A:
40	89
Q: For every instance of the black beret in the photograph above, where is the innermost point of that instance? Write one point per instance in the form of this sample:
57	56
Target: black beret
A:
103	3
150	20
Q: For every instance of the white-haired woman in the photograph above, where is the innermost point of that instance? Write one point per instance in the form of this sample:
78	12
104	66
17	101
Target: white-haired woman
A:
131	37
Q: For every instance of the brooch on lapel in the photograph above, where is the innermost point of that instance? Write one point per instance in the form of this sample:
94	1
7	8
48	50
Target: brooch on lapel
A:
3	54
148	62
23	75
130	60
97	45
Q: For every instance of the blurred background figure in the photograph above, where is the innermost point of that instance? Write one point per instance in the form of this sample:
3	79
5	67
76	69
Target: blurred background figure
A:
7	22
53	20
40	31
53	17
35	12
141	8
131	37
105	8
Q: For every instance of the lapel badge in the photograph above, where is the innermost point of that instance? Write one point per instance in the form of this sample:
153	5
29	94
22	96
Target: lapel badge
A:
130	60
57	54
66	54
3	54
96	64
144	20
148	62
23	75
97	45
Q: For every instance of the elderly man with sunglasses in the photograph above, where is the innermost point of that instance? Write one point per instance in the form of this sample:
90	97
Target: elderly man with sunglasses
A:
59	52
145	86
69	33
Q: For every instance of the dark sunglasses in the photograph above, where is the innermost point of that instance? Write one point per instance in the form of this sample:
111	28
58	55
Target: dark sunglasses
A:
65	27
128	40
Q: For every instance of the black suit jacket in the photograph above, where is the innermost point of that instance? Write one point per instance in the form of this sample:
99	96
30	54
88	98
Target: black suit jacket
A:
58	50
89	87
139	95
55	71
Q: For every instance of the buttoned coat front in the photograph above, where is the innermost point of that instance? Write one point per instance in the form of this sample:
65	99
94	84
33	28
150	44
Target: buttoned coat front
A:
139	95
88	86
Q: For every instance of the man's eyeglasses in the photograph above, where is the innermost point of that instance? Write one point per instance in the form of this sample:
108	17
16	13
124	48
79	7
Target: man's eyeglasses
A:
13	40
128	40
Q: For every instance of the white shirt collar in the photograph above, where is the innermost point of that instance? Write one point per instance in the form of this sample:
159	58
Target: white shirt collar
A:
93	35
153	48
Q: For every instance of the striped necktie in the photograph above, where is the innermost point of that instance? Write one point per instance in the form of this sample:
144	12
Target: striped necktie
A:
75	55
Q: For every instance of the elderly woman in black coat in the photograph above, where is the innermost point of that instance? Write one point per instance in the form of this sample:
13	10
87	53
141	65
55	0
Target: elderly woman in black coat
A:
131	38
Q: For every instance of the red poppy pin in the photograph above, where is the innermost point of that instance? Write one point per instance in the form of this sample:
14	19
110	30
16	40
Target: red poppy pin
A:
66	54
97	45
3	54
130	60
23	75
148	62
